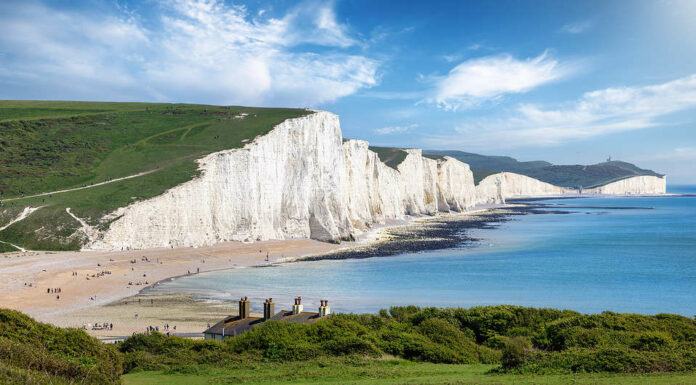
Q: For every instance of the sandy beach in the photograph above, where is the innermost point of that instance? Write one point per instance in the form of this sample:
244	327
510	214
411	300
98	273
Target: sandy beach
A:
105	286
86	296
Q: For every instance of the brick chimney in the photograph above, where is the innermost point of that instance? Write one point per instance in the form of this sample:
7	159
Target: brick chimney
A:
297	307
268	309
324	308
244	308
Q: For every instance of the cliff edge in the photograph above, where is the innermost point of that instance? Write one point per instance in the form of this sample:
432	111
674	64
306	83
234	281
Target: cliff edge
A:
302	180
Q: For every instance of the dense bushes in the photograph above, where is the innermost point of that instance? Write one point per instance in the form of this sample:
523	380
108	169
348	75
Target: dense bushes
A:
611	342
32	350
522	340
424	338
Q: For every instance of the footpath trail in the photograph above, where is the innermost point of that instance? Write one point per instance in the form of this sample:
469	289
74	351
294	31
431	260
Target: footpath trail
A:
83	187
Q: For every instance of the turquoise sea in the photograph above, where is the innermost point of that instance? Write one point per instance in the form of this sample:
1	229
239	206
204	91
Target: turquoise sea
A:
591	260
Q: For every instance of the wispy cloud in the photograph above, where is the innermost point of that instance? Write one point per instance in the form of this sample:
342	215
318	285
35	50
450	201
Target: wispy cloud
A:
201	50
577	27
596	113
395	129
679	153
488	78
451	58
393	95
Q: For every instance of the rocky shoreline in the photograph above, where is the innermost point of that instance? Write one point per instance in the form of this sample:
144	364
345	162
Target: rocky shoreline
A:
435	233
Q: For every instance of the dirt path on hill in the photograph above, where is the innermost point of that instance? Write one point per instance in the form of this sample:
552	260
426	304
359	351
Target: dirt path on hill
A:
83	188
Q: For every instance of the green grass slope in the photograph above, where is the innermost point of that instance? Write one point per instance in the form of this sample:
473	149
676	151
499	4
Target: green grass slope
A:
560	175
50	146
36	353
391	156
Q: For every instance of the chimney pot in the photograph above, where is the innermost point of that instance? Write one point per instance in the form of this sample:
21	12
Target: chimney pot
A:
324	309
297	307
268	309
244	308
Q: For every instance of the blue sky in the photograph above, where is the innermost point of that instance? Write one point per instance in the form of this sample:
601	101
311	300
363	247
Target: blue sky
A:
564	81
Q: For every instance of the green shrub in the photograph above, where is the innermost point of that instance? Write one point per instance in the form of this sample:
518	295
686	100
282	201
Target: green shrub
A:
516	352
652	341
32	347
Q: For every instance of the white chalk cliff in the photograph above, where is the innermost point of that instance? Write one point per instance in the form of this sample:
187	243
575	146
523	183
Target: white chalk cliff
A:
505	185
284	184
302	181
641	185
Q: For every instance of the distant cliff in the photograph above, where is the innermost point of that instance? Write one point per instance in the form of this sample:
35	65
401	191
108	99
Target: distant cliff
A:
631	186
573	176
302	180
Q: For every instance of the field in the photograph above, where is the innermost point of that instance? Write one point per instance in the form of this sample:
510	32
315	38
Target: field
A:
52	146
384	372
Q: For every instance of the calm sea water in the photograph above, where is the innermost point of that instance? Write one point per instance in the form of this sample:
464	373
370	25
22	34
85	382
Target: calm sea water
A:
641	261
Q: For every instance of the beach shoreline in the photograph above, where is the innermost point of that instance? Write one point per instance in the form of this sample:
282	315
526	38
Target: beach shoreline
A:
86	299
50	286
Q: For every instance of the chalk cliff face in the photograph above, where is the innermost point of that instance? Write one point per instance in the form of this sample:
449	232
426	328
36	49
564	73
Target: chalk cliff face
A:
284	184
373	190
301	180
505	185
636	185
456	191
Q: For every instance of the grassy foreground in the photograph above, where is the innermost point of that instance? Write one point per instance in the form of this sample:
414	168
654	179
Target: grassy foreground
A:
405	345
361	371
51	146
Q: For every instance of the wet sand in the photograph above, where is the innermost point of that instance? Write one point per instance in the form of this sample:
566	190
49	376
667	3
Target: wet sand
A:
184	314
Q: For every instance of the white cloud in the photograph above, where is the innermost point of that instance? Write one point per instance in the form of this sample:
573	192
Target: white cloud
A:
451	58
315	22
201	51
577	27
596	113
488	78
678	154
394	129
393	95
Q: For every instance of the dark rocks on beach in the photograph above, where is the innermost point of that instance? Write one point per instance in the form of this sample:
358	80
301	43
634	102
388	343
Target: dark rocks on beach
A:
442	232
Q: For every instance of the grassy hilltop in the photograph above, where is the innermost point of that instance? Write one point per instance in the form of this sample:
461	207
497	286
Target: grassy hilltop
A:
51	146
480	345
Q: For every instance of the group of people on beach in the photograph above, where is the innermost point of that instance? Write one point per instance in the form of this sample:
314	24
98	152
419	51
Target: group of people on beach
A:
152	302
54	291
99	274
102	326
165	328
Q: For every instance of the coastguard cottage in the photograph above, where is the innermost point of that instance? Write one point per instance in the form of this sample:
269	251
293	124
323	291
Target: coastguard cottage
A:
233	326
